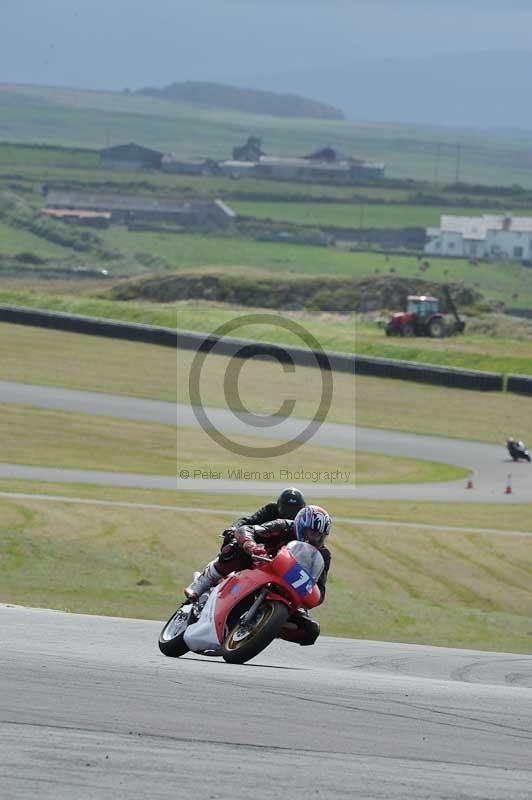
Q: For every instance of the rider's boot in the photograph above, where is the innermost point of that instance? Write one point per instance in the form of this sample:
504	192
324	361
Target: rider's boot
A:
204	581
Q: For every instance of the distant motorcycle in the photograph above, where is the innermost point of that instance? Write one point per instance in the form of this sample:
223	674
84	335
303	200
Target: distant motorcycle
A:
246	611
518	450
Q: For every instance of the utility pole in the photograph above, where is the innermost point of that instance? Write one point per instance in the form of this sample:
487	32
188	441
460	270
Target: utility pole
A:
458	155
437	163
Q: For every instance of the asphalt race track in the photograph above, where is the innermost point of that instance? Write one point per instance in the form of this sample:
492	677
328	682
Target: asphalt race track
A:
90	709
491	468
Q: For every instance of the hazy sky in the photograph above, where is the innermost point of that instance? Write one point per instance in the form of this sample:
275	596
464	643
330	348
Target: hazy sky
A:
115	44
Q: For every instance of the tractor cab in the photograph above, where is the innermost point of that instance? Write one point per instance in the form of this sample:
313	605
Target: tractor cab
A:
422	305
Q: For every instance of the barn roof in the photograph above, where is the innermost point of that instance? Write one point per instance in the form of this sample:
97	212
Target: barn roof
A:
476	228
129	150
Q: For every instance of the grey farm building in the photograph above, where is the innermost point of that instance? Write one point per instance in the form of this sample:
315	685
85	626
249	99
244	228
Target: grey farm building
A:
132	209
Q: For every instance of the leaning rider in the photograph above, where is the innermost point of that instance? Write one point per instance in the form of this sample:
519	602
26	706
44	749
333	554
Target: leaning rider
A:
289	502
512	445
312	524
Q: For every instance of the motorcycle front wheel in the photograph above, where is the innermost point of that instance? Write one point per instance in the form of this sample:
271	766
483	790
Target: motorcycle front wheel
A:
244	642
171	641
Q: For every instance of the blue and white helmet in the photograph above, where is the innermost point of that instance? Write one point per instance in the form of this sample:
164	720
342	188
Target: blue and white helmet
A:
313	525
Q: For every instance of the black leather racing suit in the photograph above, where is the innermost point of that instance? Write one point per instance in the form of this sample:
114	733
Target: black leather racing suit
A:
266	513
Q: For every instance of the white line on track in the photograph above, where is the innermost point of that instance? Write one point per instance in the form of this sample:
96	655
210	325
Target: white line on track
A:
235	513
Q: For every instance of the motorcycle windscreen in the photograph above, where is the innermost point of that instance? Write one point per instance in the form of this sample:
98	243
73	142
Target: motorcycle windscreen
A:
310	559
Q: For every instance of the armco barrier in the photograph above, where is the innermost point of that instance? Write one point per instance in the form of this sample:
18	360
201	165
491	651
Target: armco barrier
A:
113	329
244	348
519	384
285	354
425	373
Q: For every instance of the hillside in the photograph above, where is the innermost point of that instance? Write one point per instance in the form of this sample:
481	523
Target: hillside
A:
251	101
95	119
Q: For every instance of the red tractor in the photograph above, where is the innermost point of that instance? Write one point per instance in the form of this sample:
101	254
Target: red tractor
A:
423	317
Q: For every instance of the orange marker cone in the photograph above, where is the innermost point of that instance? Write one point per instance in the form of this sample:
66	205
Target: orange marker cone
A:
508	489
469	484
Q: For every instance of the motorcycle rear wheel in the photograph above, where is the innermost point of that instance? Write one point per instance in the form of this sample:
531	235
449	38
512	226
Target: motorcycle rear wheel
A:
171	641
245	642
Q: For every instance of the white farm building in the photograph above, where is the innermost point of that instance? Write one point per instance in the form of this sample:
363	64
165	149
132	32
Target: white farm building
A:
490	236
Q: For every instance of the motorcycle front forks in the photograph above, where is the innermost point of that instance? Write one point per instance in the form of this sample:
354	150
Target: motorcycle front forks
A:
248	616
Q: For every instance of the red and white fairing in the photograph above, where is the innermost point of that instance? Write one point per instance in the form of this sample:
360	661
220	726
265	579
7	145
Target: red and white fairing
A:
291	577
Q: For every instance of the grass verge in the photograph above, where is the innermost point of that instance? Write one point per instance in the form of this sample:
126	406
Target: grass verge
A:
435	410
82	441
85	441
449	588
505	346
76	361
473	516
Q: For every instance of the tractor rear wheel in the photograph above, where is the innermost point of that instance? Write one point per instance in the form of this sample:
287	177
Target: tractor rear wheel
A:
436	328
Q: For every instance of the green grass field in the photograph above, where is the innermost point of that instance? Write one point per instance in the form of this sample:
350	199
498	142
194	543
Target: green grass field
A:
188	251
17	240
16	155
359	215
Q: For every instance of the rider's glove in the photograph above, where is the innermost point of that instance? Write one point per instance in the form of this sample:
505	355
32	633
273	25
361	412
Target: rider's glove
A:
253	549
228	535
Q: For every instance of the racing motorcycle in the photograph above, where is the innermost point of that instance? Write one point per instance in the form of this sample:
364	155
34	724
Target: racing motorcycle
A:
240	616
518	450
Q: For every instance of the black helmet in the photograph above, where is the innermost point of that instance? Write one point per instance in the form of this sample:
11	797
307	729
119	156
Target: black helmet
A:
289	502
